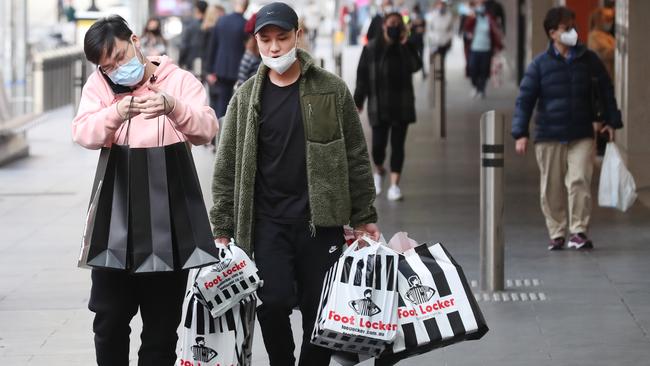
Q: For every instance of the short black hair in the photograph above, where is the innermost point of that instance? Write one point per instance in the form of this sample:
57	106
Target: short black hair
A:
555	17
100	38
201	6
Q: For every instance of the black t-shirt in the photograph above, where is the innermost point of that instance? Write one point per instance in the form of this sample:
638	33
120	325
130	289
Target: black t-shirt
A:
281	182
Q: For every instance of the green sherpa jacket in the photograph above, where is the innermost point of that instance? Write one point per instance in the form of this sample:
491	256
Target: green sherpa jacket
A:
341	189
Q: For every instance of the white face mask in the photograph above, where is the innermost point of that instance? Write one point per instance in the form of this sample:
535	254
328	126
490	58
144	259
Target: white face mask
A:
282	63
569	38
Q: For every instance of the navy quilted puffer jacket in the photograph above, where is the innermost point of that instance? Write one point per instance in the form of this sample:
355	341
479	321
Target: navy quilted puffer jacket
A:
563	93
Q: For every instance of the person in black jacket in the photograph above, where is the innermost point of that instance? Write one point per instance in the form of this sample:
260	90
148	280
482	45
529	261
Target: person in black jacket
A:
563	82
384	76
190	46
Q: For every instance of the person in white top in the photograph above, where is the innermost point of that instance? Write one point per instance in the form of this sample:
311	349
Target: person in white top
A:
439	28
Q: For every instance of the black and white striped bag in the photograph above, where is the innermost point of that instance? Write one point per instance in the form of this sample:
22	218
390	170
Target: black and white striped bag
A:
436	307
359	301
436	304
225	340
222	285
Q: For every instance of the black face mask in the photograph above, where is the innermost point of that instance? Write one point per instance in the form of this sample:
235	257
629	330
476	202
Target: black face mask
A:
394	33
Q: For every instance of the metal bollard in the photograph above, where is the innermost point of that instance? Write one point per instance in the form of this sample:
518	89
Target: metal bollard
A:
338	64
438	93
492	241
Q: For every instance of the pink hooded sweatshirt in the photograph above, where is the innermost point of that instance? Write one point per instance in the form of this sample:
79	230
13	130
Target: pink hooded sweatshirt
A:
98	123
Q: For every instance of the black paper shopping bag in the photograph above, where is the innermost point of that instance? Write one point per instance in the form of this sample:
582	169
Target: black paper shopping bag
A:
151	230
193	239
105	240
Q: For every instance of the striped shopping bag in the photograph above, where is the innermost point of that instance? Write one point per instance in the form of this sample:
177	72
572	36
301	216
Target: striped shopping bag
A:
359	301
436	306
223	284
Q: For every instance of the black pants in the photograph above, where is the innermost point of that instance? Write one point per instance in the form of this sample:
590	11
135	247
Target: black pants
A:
115	297
220	94
479	68
397	141
292	264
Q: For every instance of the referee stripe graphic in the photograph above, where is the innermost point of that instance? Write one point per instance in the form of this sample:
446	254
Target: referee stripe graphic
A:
410	338
359	273
200	319
438	275
189	313
378	272
456	323
230	320
347	268
370	270
390	273
431	325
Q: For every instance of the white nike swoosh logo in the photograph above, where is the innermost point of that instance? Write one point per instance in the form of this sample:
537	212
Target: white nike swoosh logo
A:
333	249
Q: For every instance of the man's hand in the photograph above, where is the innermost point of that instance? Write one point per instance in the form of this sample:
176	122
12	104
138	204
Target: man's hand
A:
222	240
521	145
211	78
125	111
609	131
155	105
371	230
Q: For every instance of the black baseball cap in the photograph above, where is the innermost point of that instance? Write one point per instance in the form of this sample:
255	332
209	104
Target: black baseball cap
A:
279	14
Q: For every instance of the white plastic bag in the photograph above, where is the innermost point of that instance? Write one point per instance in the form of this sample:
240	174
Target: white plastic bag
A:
223	341
358	311
617	188
223	284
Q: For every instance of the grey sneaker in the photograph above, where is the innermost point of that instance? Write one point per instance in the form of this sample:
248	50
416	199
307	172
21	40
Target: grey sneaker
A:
580	241
556	244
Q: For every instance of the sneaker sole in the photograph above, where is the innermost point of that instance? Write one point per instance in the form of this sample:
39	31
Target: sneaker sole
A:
555	247
576	246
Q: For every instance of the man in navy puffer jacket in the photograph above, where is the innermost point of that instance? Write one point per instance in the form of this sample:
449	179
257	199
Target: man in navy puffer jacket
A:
572	90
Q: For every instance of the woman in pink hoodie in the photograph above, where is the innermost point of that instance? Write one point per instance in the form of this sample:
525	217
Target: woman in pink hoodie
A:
154	93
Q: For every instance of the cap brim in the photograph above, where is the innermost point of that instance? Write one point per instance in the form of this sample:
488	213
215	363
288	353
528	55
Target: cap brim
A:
284	25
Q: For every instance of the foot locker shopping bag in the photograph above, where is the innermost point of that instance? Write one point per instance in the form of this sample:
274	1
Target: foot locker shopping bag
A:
359	301
223	341
225	283
436	305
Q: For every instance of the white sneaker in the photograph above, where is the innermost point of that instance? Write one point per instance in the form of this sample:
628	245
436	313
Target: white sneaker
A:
473	93
379	179
394	193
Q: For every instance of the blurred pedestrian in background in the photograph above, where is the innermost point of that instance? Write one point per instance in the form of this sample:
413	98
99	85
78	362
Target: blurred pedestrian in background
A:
251	60
417	28
496	10
466	11
376	27
212	15
190	48
224	56
439	29
560	82
603	43
152	40
601	40
384	77
486	39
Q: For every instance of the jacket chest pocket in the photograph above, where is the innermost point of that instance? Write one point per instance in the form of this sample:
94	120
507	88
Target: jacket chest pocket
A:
322	122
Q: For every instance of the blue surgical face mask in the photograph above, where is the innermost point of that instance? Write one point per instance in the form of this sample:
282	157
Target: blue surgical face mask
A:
130	73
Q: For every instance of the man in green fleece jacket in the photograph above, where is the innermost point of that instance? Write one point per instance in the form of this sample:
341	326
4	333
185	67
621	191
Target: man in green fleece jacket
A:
292	168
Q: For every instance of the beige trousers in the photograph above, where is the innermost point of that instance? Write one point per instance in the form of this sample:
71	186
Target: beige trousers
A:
565	178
